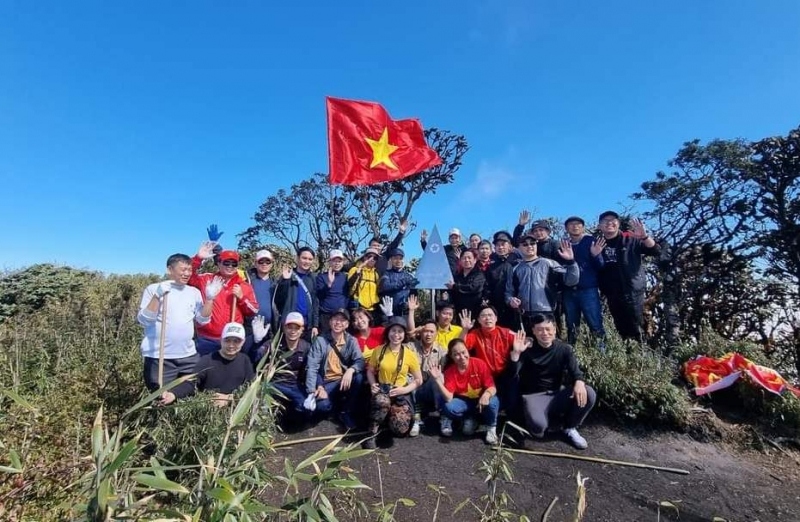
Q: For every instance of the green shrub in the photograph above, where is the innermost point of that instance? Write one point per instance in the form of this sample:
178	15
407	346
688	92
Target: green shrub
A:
634	383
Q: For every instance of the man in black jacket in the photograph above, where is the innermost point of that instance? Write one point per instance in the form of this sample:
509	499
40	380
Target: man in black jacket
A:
503	260
548	399
296	292
622	277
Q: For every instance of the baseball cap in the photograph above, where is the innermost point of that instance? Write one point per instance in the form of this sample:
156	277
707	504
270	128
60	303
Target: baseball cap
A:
541	224
501	235
228	255
294	318
341	311
373	251
455	232
233	330
261	254
397	252
336	254
574	218
608	213
397	321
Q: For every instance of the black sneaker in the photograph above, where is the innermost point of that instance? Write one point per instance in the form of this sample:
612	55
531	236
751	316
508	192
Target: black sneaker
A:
369	443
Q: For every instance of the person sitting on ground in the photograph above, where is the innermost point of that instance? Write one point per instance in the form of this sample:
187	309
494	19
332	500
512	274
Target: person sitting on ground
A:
427	396
234	303
547	399
467	389
396	283
368	337
183	309
335	370
223	371
291	379
388	373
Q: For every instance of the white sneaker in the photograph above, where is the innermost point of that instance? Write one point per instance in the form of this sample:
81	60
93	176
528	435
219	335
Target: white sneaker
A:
491	436
414	429
575	438
470	425
446	426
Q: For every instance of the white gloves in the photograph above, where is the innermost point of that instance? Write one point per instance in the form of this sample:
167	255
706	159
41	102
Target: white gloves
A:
387	304
260	330
213	288
206	249
310	403
163	288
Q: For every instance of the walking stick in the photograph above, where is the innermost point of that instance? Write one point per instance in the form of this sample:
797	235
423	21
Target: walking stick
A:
233	309
163	340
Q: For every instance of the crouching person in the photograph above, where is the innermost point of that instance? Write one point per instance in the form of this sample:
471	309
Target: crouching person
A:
388	374
290	380
550	402
467	389
223	371
335	371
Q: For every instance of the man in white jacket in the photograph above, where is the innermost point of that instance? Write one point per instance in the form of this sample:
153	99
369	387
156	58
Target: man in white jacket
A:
184	307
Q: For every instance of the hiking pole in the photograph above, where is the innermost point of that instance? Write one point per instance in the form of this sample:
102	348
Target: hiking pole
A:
163	340
233	309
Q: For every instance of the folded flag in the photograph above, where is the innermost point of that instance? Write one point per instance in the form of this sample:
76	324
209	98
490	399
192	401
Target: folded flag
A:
708	374
366	146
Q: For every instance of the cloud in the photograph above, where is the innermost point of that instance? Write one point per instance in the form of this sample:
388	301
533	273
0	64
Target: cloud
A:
508	22
492	181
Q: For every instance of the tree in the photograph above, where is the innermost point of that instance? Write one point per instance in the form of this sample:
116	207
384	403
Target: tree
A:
325	216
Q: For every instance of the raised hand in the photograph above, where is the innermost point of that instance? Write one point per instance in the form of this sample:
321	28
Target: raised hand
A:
403	225
638	229
387	306
424	235
163	288
565	250
331	276
597	246
466	320
520	342
260	330
434	371
413	302
213	233
206	249
213	288
286	272
524	217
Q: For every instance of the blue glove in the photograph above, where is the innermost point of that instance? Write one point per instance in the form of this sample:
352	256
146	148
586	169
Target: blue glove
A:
213	233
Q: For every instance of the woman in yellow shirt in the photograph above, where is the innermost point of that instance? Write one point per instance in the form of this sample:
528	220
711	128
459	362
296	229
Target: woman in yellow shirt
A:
388	372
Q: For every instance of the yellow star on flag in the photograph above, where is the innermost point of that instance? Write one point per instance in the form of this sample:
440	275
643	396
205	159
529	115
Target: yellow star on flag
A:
473	393
382	150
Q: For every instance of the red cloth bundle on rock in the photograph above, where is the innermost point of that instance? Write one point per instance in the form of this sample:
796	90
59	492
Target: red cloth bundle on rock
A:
708	374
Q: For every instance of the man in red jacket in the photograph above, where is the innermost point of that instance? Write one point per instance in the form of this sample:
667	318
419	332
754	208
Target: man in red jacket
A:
235	301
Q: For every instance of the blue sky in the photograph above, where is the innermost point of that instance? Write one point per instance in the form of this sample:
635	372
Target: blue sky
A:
127	127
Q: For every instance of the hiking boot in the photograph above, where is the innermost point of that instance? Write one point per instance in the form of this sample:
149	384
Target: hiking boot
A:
415	429
446	426
575	438
491	436
470	425
369	443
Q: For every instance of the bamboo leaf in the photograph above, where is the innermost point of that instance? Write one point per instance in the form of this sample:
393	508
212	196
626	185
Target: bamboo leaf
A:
21	401
244	446
348	483
407	502
221	494
97	437
320	454
347	455
124	454
7	469
156	394
241	410
15	460
160	484
156	468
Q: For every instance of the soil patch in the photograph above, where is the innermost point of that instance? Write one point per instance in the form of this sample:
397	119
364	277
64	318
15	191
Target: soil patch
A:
723	482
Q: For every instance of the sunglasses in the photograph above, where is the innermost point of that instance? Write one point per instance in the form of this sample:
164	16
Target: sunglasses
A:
528	243
265	261
232	264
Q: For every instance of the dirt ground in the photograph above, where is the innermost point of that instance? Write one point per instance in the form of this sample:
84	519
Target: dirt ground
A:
723	482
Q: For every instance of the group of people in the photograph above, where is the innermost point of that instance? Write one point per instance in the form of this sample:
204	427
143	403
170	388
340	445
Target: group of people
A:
348	339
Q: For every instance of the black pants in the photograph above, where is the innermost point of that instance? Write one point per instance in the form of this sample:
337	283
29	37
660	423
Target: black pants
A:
627	310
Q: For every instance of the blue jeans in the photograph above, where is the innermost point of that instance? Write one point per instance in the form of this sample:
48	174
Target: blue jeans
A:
346	400
460	407
294	394
584	301
427	396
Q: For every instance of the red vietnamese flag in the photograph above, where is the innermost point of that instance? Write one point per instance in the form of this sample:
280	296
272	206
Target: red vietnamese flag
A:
366	146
